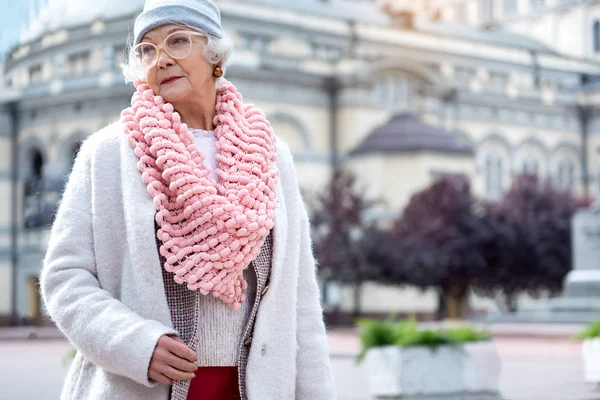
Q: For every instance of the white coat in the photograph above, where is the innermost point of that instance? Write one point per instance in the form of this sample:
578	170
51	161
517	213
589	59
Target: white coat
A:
102	285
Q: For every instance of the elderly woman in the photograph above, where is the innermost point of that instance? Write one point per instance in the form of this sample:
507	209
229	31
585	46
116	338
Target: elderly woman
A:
180	264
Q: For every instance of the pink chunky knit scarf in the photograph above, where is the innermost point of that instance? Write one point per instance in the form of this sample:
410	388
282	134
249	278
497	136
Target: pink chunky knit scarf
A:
210	231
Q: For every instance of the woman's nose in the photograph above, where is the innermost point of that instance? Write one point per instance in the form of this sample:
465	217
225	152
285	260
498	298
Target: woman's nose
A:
164	60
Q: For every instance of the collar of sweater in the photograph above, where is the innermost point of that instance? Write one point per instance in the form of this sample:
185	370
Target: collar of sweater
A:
201	132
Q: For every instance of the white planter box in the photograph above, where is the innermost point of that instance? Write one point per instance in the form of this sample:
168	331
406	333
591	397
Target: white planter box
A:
470	368
591	360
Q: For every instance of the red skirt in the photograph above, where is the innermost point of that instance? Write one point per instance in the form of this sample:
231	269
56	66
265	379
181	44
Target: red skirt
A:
215	383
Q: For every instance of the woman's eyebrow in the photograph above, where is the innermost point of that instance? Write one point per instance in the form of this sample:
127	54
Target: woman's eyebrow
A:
148	37
178	28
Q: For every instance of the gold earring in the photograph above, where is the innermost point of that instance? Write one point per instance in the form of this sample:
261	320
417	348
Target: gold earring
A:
218	72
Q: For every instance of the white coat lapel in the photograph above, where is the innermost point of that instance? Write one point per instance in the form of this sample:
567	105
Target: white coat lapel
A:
280	234
139	222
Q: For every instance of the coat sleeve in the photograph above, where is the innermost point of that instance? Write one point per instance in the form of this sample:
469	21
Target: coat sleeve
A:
314	373
99	326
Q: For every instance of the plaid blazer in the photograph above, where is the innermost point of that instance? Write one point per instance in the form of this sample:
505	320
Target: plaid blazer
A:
183	305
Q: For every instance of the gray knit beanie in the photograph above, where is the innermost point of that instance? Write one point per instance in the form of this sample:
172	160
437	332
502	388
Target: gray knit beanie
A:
202	14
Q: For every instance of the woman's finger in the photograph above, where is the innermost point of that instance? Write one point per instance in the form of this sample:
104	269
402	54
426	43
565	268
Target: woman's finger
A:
181	363
175	374
158	377
180	349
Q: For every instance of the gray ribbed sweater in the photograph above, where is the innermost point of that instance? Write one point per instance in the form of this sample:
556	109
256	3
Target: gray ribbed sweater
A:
217	323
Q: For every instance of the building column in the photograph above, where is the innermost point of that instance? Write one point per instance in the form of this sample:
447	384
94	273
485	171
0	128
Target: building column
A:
109	57
59	65
583	116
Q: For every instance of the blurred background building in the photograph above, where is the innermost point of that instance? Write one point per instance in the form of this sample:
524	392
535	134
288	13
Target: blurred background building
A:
399	91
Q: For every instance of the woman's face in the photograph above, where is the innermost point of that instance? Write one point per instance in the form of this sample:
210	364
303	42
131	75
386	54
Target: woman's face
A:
178	80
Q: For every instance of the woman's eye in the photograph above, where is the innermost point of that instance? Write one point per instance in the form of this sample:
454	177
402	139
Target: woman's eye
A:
180	40
144	50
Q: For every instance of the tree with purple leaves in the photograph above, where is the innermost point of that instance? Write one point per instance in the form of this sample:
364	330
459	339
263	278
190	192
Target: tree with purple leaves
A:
345	245
532	247
439	242
447	240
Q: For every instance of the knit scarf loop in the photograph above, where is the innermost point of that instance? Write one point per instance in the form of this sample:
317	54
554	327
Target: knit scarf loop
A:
210	231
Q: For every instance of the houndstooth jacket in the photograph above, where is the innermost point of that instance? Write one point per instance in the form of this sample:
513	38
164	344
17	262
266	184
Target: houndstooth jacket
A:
183	305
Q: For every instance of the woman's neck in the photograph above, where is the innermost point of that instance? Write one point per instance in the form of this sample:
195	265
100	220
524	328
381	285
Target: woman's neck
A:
198	114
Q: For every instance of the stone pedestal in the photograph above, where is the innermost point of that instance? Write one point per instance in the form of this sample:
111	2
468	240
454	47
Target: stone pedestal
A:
582	284
580	302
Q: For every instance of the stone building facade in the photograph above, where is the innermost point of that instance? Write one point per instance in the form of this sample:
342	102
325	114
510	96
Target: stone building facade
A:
330	75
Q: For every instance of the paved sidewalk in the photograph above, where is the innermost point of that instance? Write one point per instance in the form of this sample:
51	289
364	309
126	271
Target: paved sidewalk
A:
30	332
533	368
344	340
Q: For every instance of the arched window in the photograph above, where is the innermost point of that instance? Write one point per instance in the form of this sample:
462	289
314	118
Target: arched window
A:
35	167
530	166
565	174
596	36
37	164
494	172
291	131
32	199
395	91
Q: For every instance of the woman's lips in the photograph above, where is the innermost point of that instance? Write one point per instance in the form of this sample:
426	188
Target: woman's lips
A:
170	80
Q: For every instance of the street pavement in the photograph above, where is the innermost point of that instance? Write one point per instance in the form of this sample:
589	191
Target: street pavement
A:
533	368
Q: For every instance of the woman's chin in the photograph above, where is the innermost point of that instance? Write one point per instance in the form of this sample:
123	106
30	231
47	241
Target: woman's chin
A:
171	96
172	92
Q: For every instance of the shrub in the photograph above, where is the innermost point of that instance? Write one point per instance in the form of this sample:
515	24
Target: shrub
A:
466	334
376	333
409	334
591	332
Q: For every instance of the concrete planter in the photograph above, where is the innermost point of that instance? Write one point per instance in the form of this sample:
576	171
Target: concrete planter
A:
591	360
421	371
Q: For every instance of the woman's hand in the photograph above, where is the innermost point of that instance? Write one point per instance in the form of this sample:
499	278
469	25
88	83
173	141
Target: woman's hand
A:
172	360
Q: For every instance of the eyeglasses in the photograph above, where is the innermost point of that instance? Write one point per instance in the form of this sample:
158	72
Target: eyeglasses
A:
177	45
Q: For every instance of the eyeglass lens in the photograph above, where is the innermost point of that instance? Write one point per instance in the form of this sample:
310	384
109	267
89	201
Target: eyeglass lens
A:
177	45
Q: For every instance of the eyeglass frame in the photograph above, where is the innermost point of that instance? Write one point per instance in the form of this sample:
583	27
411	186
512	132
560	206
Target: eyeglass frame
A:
190	33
